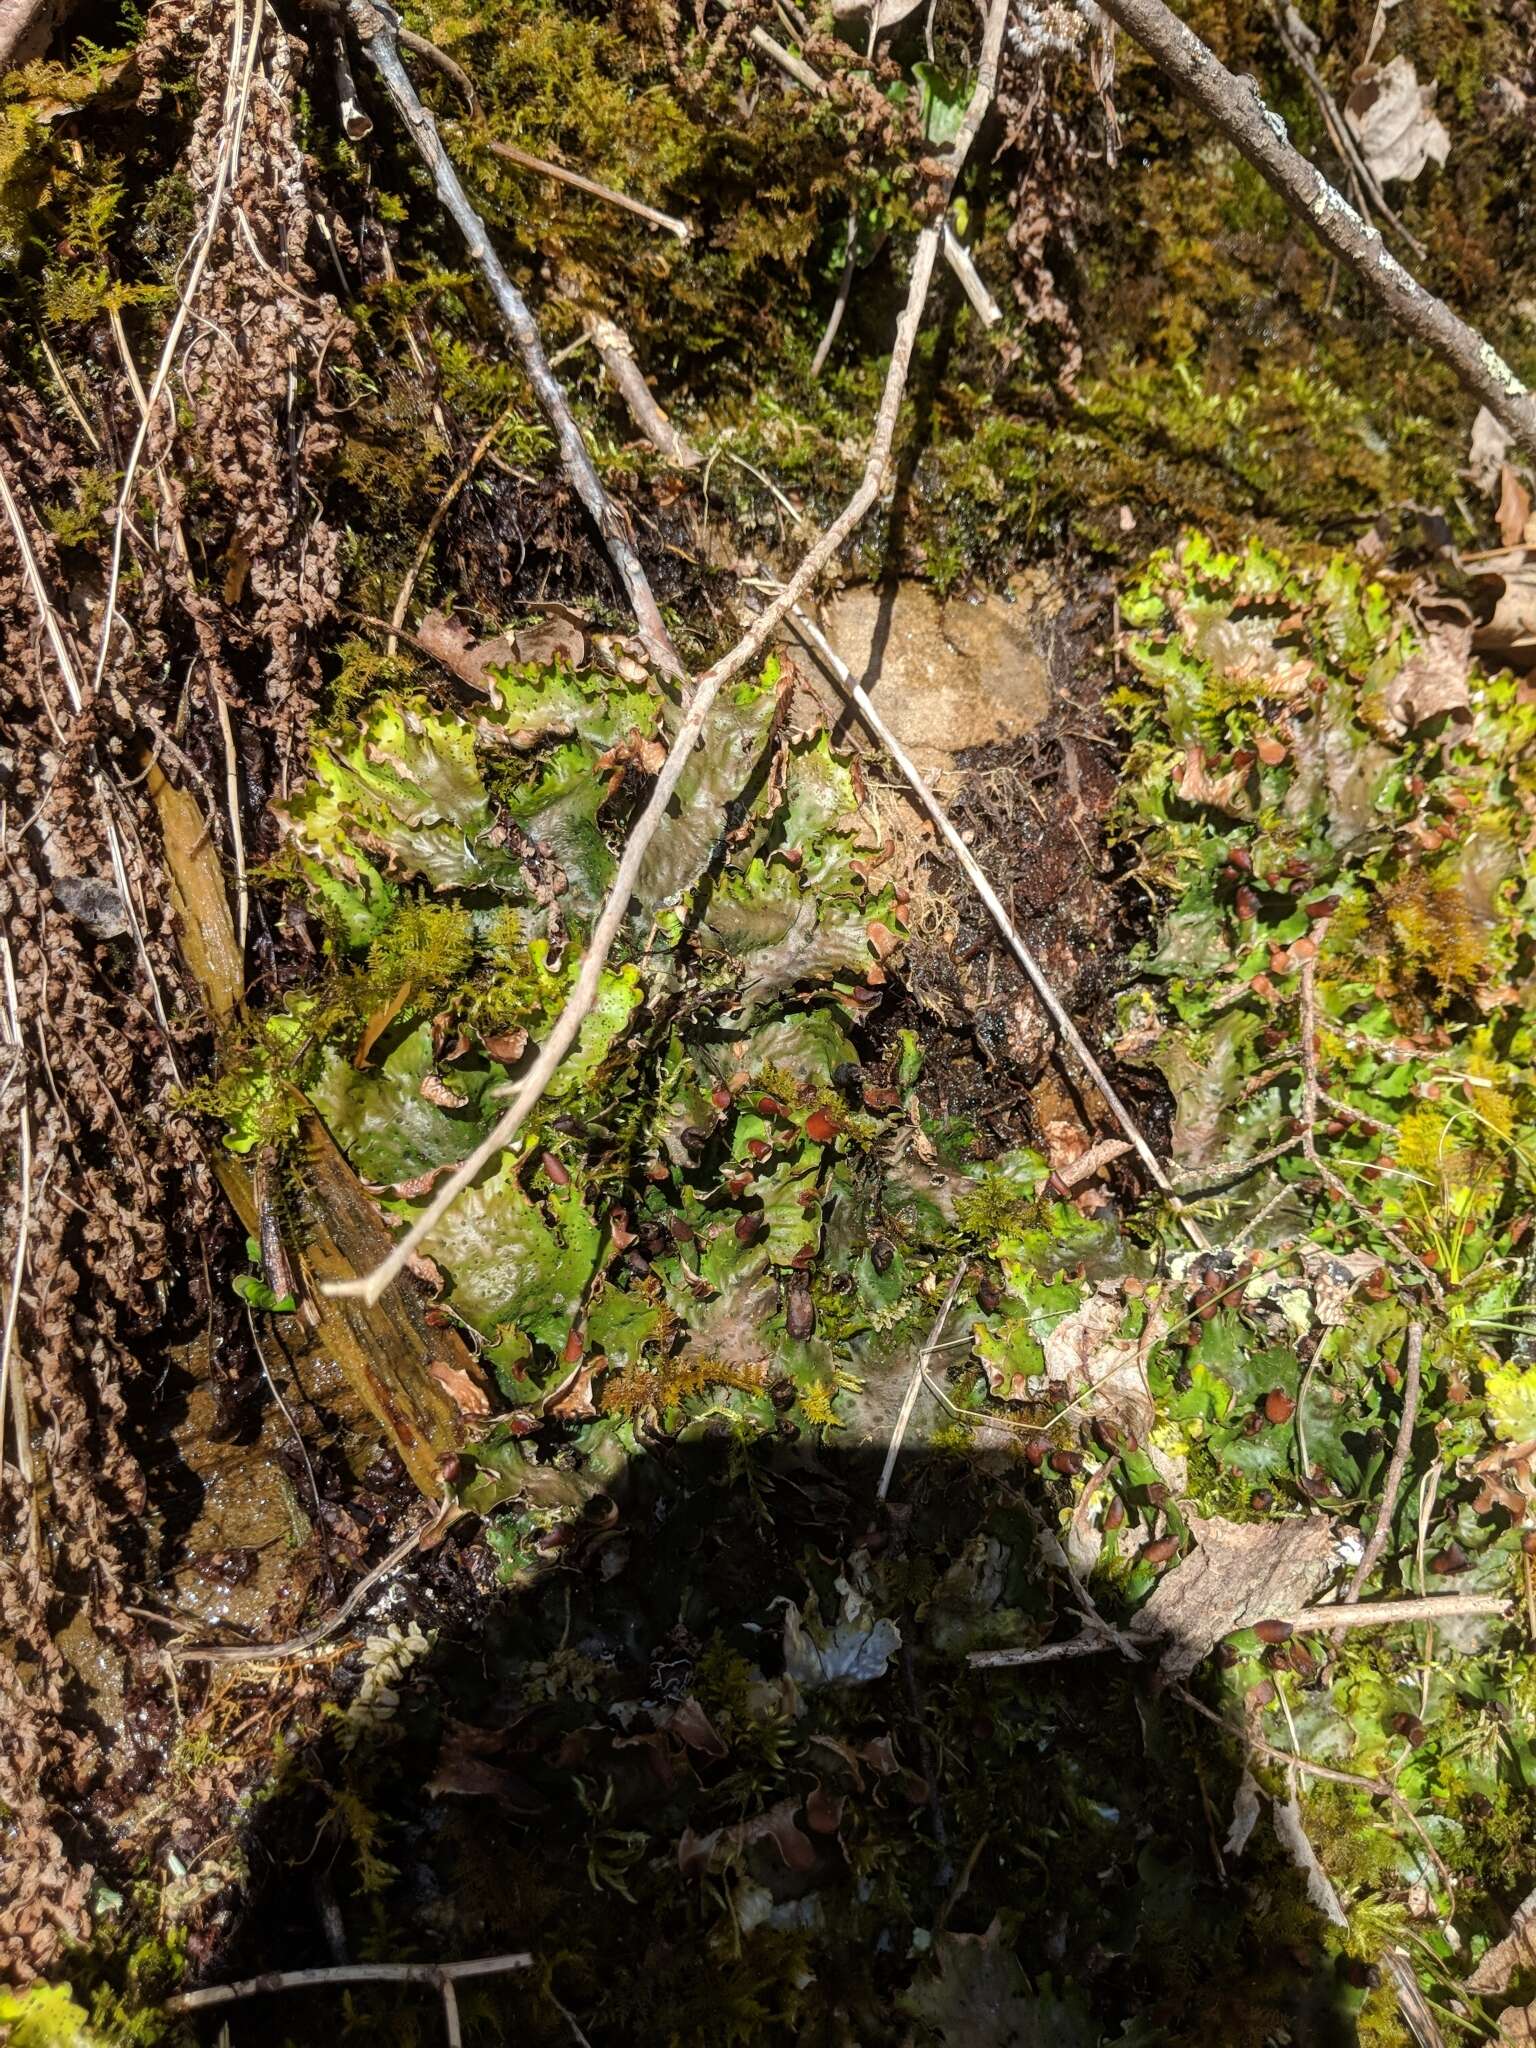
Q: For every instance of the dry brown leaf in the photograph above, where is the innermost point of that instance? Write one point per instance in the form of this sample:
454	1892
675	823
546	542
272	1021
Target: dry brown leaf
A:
556	637
1093	1161
471	660
1197	785
204	927
1392	118
1085	1354
380	1022
1238	1573
1509	579
470	1399
572	1398
1507	1958
690	1724
435	1089
506	1046
1514	511
1431	681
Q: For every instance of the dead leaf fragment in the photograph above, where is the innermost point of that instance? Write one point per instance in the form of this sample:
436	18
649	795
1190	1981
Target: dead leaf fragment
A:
435	1089
1432	680
555	637
1238	1573
1507	1958
1506	579
472	1400
380	1022
1392	118
458	650
1514	513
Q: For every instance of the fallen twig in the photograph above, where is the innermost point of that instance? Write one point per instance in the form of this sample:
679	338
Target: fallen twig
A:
617	353
528	162
377	27
1237	109
1373	1614
63	654
1088	1643
312	1638
441	1977
1399	1613
825	652
241	76
1412	1369
12	1393
605	931
792	66
1301	45
422	46
844	288
919	1374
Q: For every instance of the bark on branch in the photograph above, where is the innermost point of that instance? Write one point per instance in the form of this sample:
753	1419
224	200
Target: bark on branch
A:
1236	107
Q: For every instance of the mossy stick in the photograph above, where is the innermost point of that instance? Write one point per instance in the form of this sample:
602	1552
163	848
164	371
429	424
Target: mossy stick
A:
377	28
567	1025
1237	108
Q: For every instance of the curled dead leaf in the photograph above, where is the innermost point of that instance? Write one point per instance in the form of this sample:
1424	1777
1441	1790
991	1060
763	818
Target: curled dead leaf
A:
1392	118
471	1398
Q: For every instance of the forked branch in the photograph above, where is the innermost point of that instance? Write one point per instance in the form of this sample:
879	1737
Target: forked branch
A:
610	921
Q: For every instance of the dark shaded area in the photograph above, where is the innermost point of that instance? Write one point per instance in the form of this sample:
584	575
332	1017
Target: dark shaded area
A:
579	1768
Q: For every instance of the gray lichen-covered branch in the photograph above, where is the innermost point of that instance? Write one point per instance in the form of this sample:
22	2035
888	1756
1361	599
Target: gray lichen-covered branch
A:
1238	109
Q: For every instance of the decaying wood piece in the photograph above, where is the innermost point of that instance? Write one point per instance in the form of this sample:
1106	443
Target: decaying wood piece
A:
204	927
1236	107
421	1383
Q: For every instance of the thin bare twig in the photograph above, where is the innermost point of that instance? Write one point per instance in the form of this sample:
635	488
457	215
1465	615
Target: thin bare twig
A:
525	160
792	66
377	26
242	70
1399	1613
1087	1643
11	1019
919	1374
466	470
1412	1369
1056	1009
1236	107
617	354
1301	45
64	659
422	46
605	931
438	1975
312	1638
844	288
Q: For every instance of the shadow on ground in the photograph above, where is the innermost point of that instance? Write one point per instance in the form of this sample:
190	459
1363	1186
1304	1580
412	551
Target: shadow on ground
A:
723	1769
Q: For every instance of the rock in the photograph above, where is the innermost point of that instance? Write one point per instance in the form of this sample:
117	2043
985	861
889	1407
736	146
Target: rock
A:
945	674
